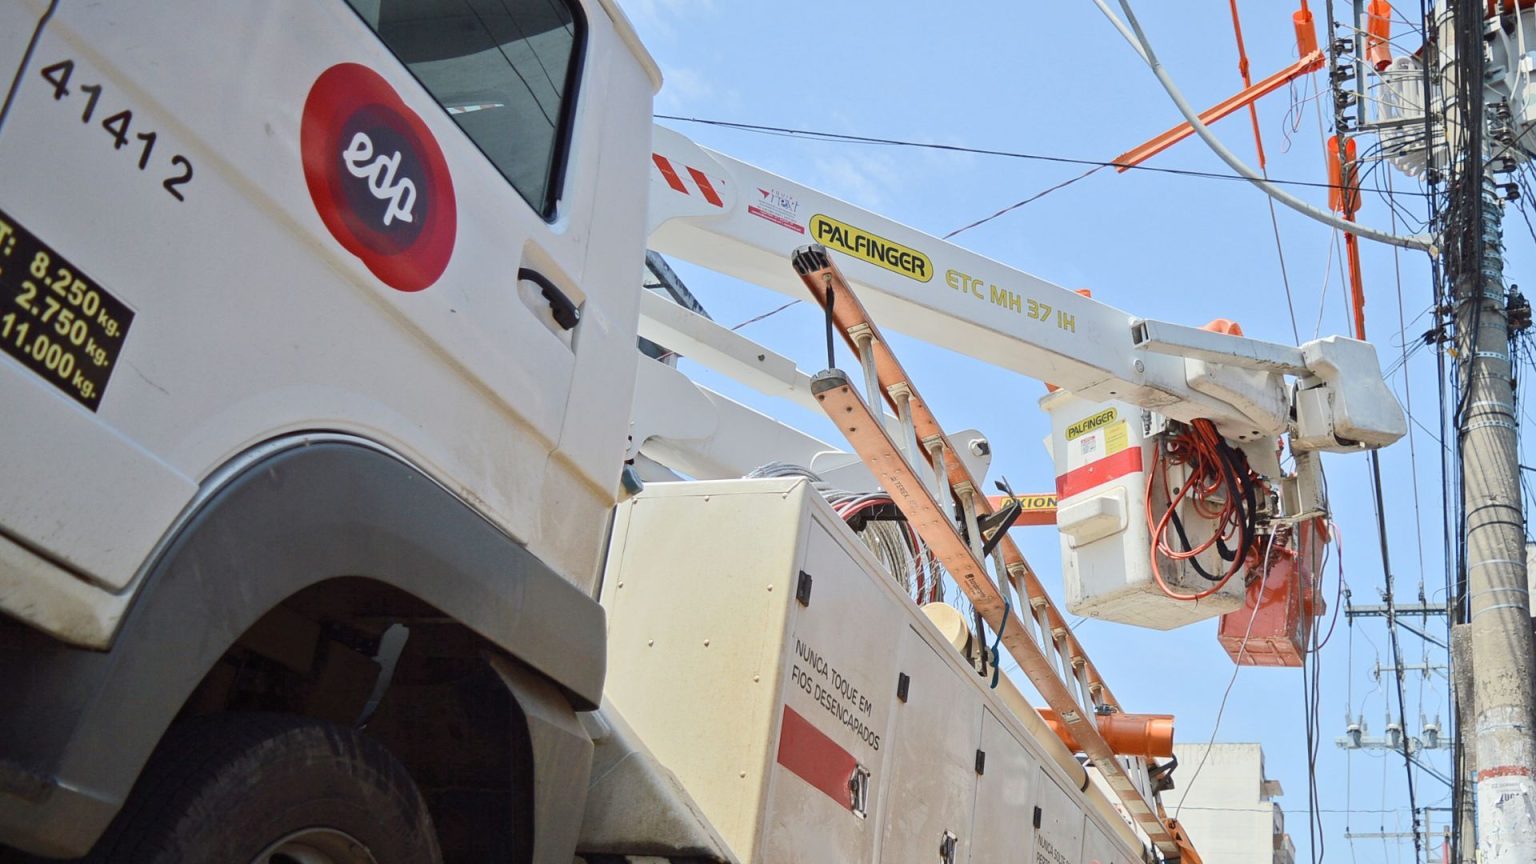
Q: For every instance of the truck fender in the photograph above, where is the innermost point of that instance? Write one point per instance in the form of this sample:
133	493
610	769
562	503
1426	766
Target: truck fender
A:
83	723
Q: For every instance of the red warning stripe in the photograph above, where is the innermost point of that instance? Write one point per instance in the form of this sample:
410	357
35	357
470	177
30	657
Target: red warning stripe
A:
675	180
705	187
1503	771
1127	461
665	167
813	757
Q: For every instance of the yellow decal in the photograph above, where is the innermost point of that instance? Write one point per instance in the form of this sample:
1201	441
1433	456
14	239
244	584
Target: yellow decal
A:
1089	424
872	248
1012	301
1035	503
1116	438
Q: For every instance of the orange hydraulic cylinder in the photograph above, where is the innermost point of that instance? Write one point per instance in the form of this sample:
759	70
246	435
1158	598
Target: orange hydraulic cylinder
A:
1343	193
1378	33
1306	32
1146	735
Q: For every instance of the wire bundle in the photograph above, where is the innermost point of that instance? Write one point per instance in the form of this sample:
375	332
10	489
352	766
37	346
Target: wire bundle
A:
893	541
1221	488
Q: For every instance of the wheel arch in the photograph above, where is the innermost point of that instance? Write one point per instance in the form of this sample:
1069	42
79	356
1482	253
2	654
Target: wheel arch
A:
300	516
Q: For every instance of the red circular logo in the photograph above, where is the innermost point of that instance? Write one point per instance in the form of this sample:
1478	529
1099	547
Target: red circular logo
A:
377	177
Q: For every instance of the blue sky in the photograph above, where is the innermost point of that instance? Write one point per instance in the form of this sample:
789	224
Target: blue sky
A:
1055	79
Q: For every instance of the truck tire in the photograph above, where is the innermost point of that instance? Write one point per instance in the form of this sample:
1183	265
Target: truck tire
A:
270	789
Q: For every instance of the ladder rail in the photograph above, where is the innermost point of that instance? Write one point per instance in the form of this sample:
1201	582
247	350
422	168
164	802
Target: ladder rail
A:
930	517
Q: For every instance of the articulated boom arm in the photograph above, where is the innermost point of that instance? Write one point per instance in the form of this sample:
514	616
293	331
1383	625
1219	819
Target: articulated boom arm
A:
736	219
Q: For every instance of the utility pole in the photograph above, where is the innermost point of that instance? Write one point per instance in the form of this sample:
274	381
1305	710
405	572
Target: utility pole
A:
1495	595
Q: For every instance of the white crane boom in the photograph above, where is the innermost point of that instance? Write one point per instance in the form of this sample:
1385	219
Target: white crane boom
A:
731	217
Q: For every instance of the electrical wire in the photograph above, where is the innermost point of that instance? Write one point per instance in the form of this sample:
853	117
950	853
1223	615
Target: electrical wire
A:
1145	50
1397	662
1285	278
1221	709
753	320
1035	197
1413	457
841	138
1220	488
894	542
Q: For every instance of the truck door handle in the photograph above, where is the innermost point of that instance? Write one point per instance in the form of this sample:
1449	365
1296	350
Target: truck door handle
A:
567	314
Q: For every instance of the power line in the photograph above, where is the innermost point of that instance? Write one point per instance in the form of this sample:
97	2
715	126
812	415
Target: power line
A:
1386	566
1035	197
838	137
1237	666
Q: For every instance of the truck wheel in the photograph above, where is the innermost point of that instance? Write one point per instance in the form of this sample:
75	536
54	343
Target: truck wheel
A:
270	789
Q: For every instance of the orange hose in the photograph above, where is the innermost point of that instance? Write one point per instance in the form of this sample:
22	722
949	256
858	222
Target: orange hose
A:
1200	449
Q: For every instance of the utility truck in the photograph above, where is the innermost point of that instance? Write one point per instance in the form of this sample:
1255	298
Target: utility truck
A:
324	427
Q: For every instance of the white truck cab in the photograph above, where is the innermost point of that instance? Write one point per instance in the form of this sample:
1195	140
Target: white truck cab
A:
305	307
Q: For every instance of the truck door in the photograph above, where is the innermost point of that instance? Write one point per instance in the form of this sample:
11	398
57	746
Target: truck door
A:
18	21
507	74
368	216
79	496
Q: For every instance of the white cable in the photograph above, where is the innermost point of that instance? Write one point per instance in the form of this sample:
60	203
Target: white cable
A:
1138	41
1124	31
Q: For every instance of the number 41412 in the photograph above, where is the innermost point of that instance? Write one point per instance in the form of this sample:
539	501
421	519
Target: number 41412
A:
118	125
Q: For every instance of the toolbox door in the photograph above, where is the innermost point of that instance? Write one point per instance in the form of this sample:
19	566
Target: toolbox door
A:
931	782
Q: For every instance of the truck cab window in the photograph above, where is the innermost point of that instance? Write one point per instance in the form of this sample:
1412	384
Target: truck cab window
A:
505	70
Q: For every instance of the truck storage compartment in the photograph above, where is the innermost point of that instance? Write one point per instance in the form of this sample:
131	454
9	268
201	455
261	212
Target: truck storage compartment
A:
808	707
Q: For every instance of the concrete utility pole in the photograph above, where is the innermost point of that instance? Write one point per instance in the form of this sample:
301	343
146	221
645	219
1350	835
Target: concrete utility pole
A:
1502	732
1496	594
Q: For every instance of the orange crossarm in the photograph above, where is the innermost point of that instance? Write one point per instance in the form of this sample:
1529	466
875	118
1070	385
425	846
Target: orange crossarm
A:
1137	155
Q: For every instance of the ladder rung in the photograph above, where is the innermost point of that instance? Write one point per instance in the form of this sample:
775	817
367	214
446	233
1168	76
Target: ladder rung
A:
929	516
